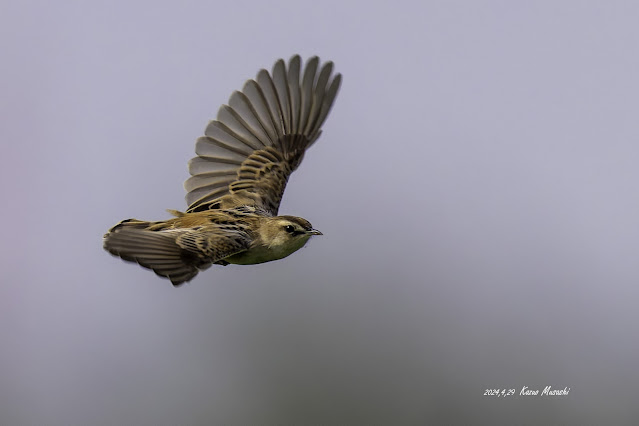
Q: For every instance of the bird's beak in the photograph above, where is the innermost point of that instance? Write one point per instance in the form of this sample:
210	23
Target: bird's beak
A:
314	232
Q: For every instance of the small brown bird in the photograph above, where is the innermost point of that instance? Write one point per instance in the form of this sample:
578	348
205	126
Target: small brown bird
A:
237	180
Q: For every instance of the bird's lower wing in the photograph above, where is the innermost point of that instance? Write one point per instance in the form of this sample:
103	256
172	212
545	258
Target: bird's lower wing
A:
177	254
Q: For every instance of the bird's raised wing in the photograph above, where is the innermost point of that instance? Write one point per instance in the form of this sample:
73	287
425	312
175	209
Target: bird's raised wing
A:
247	154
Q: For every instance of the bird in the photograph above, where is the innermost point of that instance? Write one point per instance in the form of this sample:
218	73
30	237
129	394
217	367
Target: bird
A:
238	176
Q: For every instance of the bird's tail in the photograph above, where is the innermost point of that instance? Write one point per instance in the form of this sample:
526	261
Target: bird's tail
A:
133	242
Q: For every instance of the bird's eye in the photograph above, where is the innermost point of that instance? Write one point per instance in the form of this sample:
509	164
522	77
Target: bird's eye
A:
289	228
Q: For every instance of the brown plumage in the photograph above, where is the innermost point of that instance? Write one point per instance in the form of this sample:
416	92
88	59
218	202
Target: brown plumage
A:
237	180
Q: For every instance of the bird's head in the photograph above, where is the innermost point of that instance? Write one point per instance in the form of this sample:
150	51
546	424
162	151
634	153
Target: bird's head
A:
286	234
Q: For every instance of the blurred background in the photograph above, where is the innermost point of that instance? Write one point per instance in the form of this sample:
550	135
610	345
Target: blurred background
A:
476	184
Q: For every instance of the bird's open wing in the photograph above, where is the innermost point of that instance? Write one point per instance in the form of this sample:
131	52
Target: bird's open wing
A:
259	138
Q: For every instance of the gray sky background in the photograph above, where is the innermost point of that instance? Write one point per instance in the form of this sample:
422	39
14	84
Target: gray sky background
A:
476	184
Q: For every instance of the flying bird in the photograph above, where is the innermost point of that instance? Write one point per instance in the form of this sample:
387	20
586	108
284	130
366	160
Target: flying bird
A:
237	179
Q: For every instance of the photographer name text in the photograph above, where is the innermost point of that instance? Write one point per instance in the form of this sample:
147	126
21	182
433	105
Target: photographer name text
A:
526	391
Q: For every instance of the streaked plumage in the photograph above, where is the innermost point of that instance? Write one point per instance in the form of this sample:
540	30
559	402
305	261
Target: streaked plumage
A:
237	180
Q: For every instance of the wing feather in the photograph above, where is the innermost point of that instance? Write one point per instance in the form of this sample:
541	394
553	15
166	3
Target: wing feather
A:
281	89
259	138
154	250
326	104
177	254
306	93
293	87
245	108
220	134
256	97
238	127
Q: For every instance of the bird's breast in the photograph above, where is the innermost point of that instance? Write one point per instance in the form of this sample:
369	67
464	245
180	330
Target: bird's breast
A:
263	253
